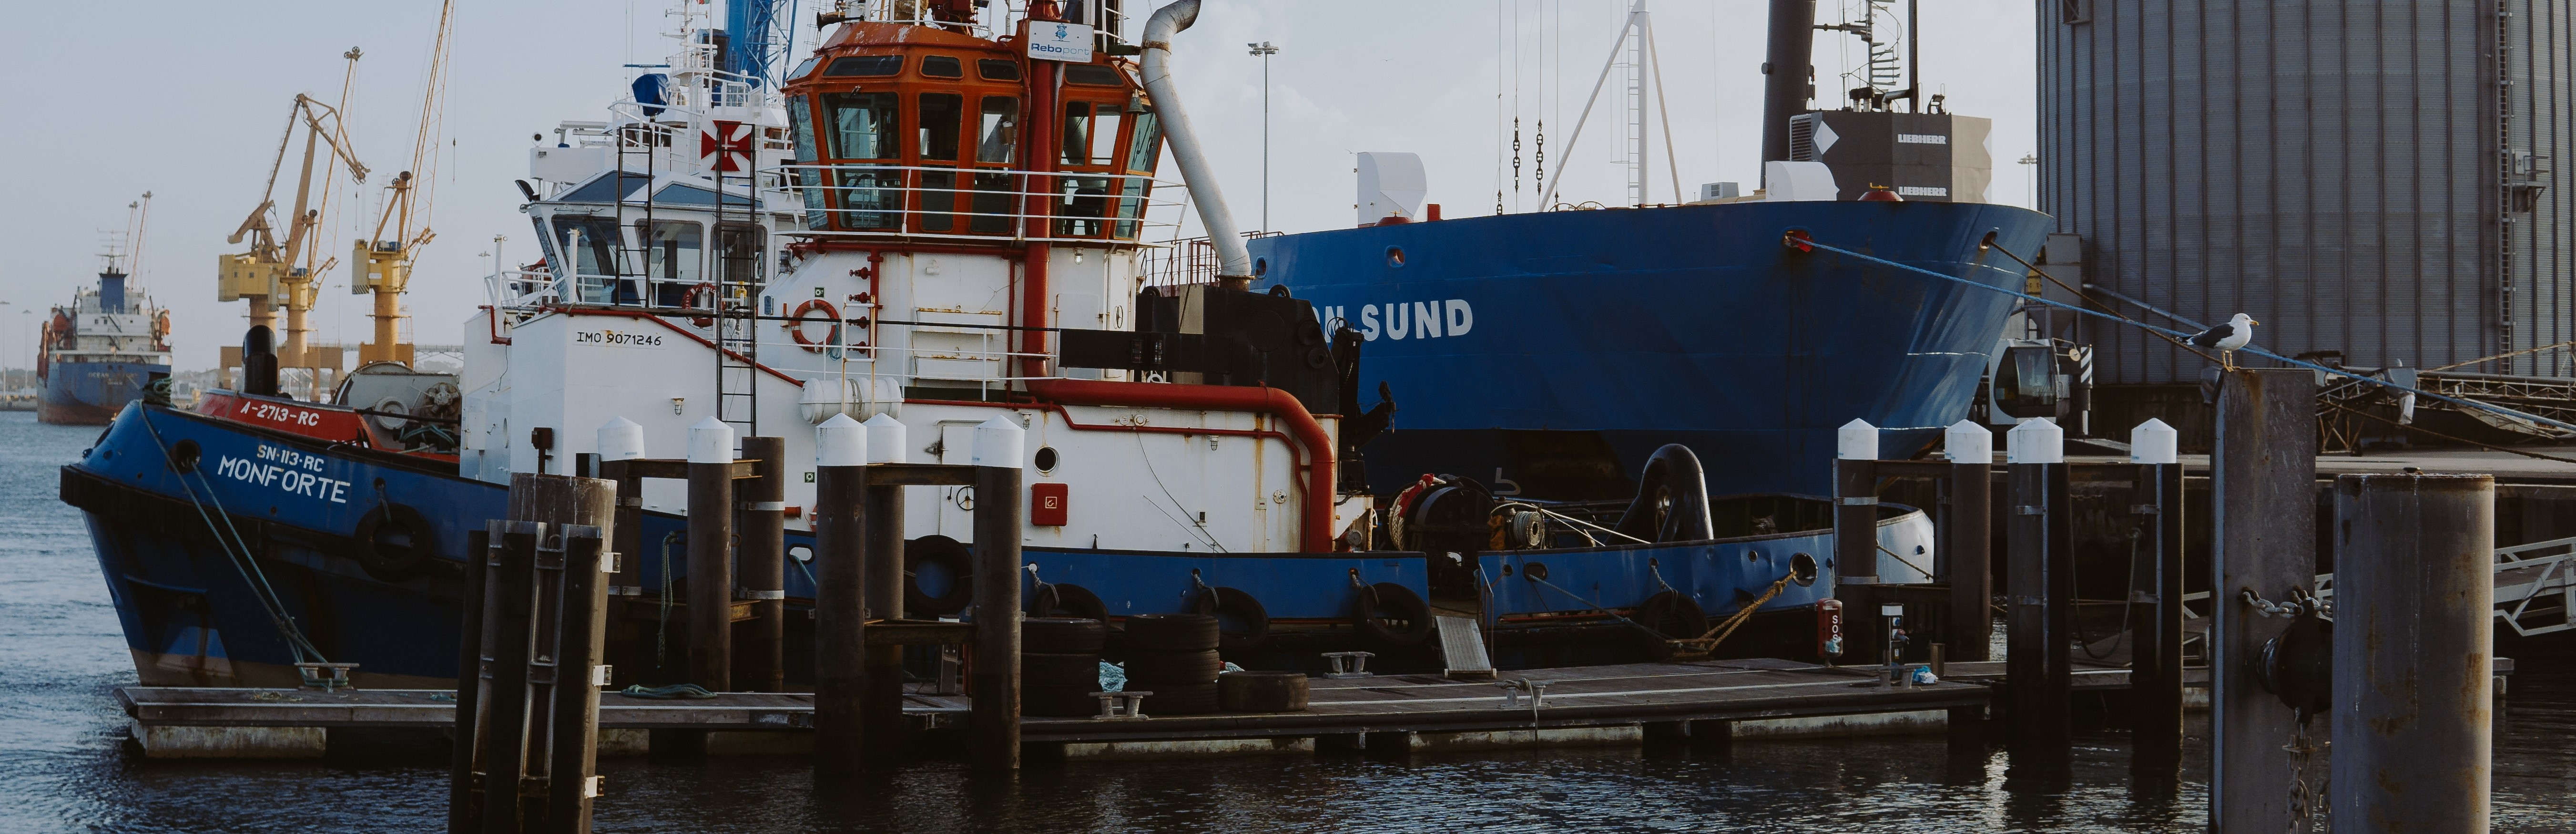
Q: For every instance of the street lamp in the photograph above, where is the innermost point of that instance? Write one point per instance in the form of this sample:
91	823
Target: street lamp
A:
1264	50
2033	178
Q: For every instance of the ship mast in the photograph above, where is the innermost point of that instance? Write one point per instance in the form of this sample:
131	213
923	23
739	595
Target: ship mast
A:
383	264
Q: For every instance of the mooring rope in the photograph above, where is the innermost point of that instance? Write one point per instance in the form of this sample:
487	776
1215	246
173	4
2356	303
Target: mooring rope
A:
244	563
1793	241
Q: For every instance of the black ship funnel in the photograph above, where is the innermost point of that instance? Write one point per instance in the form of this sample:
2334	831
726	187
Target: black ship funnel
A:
259	362
1789	73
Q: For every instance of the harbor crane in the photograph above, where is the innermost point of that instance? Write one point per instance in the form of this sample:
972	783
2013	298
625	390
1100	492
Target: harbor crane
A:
382	263
281	272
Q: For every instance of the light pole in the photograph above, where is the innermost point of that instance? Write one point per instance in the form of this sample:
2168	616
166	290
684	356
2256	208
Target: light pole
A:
1264	50
2032	159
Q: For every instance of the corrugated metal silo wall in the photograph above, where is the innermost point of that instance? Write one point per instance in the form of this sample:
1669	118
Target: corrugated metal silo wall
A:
2539	38
2330	168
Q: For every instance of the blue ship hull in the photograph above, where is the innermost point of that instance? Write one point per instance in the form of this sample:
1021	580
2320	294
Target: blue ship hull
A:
1563	348
193	615
90	393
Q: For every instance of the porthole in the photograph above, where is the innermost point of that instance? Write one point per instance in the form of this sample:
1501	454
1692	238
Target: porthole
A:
1260	267
1046	459
1395	257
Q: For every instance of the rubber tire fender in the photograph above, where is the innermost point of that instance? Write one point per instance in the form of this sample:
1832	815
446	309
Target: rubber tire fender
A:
1061	635
1389	601
1172	633
1222	603
395	560
1057	599
960	563
1674	615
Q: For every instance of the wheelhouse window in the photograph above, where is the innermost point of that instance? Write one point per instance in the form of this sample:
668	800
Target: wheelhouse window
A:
942	117
997	142
996	69
941	66
998	132
1091	75
864	127
808	181
598	258
1144	149
674	258
863	66
738	253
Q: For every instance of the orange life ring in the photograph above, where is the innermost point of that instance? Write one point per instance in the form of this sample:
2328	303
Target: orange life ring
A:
796	324
689	299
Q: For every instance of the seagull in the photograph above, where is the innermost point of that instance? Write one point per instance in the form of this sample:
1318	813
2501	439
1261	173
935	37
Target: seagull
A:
2227	338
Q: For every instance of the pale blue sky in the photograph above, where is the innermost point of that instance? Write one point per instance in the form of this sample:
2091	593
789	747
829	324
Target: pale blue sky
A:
187	100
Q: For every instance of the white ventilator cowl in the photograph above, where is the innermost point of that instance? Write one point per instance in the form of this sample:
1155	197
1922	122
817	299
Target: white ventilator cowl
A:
885	439
2036	440
1967	441
999	442
710	441
1856	440
2155	442
841	441
621	439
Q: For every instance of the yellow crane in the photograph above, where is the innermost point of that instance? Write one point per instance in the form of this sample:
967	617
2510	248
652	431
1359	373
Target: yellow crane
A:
382	264
269	275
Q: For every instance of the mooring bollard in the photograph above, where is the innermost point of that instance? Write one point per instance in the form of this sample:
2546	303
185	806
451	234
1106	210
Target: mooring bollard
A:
2155	612
761	568
2414	602
840	613
622	440
881	695
2264	496
2040	588
711	575
994	723
1856	533
1967	541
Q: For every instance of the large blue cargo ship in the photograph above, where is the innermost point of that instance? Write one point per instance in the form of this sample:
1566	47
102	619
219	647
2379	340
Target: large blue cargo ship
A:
101	351
1557	350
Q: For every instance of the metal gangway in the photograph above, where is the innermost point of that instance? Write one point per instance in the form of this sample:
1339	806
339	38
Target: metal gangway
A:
2535	586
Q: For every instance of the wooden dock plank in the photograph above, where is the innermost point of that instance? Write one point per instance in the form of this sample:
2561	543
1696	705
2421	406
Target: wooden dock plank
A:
1575	697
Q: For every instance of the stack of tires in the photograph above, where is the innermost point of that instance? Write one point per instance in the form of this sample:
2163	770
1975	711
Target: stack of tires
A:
1174	656
1060	666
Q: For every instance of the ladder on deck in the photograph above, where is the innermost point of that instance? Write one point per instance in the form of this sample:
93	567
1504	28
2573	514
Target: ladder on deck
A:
738	244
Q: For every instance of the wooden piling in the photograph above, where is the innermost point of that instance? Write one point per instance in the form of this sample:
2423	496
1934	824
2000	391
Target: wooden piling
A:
761	566
711	562
629	655
580	639
2414	613
840	605
1966	539
1856	538
2155	610
503	735
994	723
883	731
2039	589
2264	495
882	582
464	805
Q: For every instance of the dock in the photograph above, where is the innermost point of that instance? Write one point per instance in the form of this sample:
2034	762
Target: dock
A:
1577	698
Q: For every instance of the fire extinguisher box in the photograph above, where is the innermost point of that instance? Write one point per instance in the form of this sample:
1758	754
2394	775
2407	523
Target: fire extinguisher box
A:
1046	504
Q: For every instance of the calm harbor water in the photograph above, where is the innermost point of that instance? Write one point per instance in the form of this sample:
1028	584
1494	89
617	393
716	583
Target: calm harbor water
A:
65	766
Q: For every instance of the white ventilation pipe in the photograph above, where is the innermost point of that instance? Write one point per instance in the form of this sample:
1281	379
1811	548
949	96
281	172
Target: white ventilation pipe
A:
1234	260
